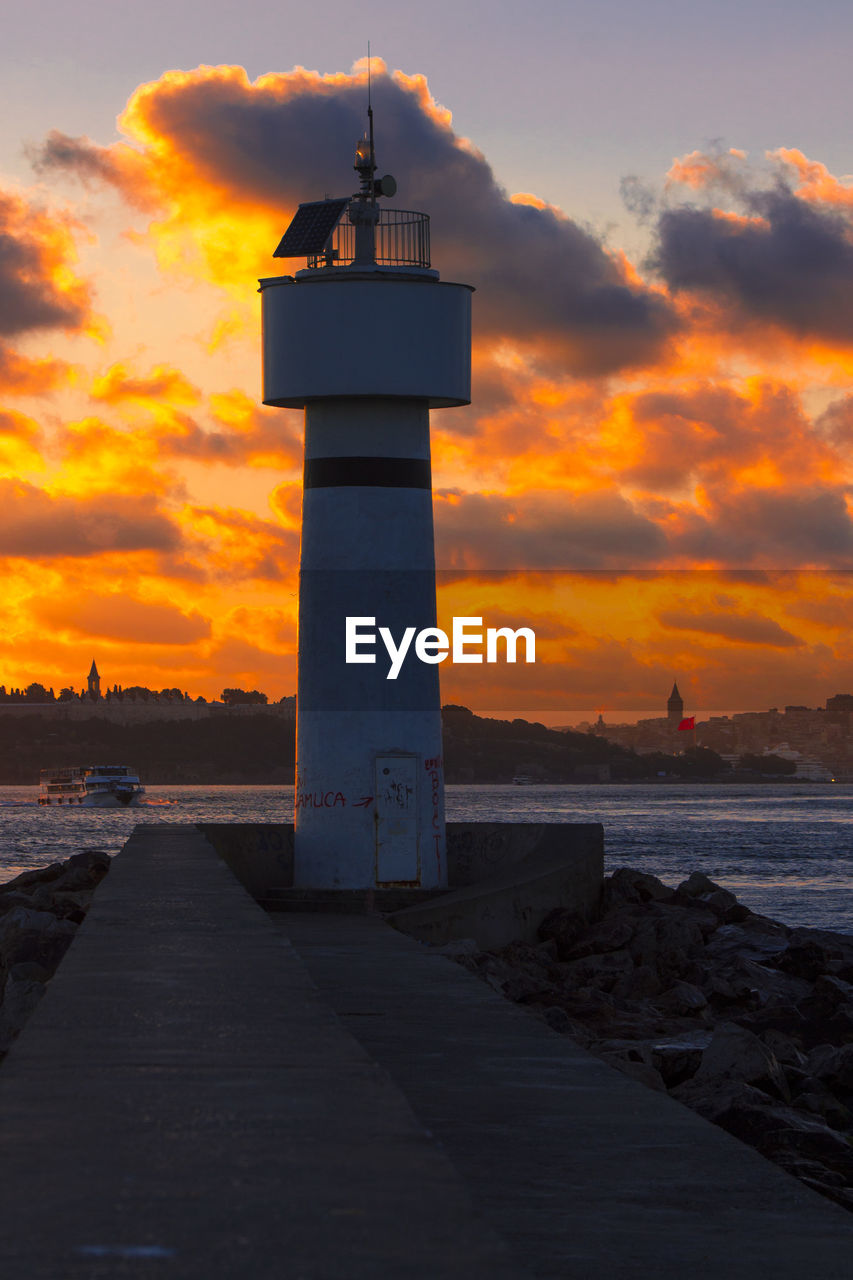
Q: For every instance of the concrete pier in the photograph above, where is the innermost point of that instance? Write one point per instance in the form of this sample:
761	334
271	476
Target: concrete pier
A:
206	1091
584	1172
184	1103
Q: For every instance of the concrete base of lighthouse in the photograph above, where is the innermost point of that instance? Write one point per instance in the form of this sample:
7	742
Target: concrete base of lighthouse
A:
378	820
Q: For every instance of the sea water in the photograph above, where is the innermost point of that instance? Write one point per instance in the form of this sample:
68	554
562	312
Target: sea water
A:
785	849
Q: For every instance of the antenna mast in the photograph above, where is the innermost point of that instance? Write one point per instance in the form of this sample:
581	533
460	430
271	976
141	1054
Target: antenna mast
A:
370	121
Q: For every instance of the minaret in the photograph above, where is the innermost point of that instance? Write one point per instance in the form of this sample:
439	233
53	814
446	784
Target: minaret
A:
675	708
367	340
94	682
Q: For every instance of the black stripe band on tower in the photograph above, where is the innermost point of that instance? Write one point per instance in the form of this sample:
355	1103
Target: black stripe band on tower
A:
384	473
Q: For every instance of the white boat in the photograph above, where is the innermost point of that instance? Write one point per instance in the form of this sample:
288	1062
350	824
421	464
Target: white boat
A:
93	786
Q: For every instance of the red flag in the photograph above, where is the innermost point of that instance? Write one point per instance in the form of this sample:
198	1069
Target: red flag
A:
689	722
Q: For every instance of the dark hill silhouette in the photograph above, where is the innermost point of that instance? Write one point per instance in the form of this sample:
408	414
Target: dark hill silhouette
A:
260	749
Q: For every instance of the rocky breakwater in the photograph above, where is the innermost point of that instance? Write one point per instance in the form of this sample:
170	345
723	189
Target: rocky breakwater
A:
744	1019
40	912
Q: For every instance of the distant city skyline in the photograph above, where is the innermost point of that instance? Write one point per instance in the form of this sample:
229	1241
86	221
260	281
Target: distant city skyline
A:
92	687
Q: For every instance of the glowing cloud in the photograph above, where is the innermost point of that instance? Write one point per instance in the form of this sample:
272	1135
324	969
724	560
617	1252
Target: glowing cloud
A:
219	155
117	617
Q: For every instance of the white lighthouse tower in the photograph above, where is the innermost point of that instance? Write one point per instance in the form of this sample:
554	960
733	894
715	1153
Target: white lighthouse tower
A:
367	340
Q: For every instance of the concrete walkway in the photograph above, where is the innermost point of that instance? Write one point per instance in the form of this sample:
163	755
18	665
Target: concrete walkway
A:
184	1104
584	1172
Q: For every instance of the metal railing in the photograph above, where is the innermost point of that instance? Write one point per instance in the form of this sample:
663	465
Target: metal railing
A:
401	238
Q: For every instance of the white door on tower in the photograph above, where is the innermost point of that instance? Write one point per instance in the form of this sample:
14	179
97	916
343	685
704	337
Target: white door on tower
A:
397	858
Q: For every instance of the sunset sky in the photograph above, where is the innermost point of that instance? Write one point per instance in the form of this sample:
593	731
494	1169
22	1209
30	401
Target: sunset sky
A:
655	207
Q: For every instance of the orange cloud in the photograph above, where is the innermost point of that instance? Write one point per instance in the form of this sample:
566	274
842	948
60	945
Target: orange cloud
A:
815	182
101	458
118	384
750	628
272	629
540	530
118	617
236	546
21	375
700	170
754	436
38	287
20	440
37	523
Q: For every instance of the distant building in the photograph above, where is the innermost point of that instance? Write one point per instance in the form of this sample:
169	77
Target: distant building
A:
675	708
132	706
839	709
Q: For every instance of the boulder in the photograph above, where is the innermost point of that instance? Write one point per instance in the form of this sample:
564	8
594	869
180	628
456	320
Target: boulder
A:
494	971
594	1009
630	1049
815	1098
40	889
831	993
827	1182
700	891
812	952
15	898
695	886
715	1098
779	1132
678	1059
34	935
806	1137
523	955
668	941
833	1065
612	933
563	927
527	972
626	886
774	1017
682	999
640	982
27	880
755	937
735	1053
547	951
599	971
557	1018
84	870
828	1011
784	1048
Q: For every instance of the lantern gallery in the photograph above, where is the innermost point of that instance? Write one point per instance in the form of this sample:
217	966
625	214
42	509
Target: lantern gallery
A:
433	645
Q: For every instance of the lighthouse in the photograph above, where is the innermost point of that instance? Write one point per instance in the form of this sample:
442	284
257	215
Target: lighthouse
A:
367	340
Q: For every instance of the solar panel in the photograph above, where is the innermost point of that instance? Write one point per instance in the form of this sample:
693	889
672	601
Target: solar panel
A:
311	227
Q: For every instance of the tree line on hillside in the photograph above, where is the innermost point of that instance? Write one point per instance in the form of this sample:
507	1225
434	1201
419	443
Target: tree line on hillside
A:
261	749
37	693
477	749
